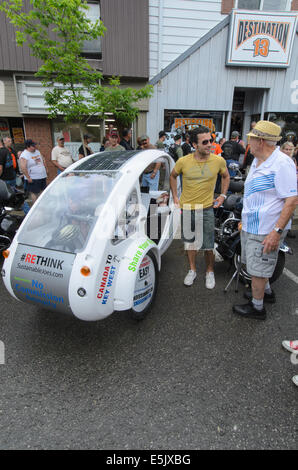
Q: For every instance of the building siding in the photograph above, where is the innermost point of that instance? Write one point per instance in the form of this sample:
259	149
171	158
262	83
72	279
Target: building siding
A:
174	25
124	46
8	99
195	84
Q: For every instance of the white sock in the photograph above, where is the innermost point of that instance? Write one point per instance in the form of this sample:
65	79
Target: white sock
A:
258	304
268	288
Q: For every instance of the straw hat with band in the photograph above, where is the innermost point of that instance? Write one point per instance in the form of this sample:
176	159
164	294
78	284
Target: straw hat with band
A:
266	130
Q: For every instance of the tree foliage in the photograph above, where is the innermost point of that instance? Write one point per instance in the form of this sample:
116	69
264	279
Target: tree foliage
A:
55	31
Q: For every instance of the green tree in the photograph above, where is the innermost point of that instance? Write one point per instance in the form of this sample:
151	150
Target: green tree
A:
55	31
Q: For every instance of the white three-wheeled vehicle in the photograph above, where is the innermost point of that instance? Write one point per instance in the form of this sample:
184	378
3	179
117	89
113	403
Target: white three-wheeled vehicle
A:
92	243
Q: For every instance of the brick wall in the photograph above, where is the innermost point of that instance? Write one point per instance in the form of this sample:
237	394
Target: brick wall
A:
226	6
39	130
294	5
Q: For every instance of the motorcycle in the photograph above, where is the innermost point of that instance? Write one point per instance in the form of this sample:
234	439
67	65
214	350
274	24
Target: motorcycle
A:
10	201
228	243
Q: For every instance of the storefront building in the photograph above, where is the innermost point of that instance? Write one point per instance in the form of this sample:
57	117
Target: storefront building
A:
121	52
244	69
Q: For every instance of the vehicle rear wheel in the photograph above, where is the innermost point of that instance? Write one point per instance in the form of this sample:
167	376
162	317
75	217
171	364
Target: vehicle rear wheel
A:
145	287
281	260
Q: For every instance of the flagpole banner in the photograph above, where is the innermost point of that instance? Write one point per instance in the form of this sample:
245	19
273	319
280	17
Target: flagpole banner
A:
261	39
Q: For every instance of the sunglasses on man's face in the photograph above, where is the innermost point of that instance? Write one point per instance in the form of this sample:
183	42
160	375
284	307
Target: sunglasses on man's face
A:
207	141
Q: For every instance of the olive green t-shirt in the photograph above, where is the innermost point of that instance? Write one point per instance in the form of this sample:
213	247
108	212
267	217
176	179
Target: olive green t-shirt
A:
199	179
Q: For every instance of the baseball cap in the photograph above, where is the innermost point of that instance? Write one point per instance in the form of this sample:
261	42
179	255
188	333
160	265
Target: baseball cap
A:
144	137
114	134
29	143
235	134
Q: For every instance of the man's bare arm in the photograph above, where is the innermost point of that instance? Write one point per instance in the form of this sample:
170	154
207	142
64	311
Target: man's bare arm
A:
173	185
225	182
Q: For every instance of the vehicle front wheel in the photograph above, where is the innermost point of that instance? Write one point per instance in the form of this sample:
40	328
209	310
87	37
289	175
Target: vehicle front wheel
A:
145	287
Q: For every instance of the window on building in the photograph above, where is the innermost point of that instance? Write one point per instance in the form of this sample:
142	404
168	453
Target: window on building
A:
265	5
92	49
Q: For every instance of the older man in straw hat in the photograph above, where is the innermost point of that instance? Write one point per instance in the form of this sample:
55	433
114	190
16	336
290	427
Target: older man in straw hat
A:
270	197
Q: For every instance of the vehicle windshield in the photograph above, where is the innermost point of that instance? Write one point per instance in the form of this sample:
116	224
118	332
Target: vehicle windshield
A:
63	218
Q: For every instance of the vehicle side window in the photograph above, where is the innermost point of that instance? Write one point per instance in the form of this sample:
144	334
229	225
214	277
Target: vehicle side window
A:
164	179
127	223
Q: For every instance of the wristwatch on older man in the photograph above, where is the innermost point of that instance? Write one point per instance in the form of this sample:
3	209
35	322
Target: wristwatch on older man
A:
278	230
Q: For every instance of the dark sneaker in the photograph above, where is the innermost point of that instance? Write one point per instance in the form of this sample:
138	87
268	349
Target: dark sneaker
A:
268	298
249	311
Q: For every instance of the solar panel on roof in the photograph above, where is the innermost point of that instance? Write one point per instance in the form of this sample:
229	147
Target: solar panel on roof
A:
106	161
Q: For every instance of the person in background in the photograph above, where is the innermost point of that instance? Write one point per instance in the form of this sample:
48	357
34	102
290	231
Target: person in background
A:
150	177
85	150
126	139
215	147
290	136
292	347
175	150
232	149
248	156
288	148
61	156
105	144
34	169
113	143
161	139
222	141
139	146
8	163
111	130
186	146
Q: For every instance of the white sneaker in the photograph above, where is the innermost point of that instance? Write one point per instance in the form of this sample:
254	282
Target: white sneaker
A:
210	280
291	346
190	277
295	380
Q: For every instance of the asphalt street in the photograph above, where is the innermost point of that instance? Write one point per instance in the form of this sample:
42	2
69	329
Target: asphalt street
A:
192	375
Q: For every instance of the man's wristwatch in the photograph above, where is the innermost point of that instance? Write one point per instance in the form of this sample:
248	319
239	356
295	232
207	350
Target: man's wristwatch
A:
224	196
278	230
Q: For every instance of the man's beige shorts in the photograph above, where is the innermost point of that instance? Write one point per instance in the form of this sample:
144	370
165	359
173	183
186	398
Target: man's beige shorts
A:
258	264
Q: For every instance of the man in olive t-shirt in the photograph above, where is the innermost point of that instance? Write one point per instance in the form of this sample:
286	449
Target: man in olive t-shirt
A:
199	172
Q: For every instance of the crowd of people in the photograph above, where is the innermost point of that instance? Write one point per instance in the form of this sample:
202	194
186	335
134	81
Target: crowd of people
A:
270	193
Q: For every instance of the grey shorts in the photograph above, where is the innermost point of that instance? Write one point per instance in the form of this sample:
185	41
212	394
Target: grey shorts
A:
197	228
257	263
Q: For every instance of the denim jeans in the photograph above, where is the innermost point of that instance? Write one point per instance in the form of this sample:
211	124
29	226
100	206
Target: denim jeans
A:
151	182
